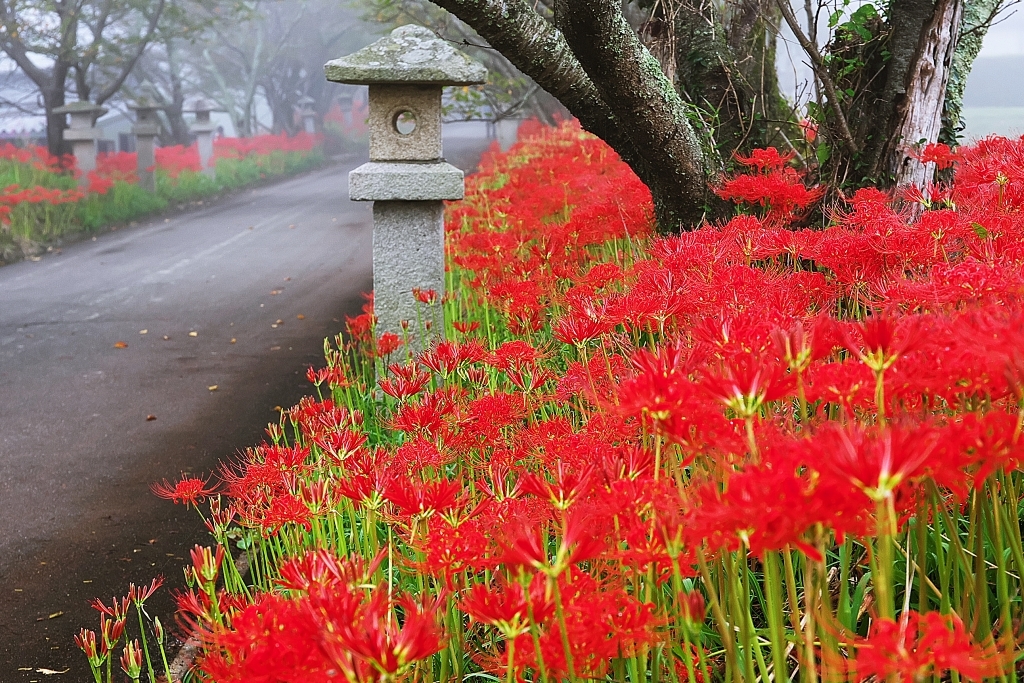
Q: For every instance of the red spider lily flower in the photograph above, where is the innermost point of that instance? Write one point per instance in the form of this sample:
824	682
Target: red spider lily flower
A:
569	486
516	352
401	387
188	490
341	444
809	129
466	328
139	594
765	160
111	631
424	296
414	497
118	608
875	460
526	546
746	383
446	356
273	639
881	339
370	632
206	562
285	508
131	660
368	479
498	485
692	609
800	344
388	343
322	568
191	602
506	606
918	646
660	384
939	154
86	641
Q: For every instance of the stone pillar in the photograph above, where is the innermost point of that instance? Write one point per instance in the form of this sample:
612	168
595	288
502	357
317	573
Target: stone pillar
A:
83	135
407	178
203	128
146	128
308	114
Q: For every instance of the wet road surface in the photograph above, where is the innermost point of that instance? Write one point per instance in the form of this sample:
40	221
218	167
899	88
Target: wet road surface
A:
238	295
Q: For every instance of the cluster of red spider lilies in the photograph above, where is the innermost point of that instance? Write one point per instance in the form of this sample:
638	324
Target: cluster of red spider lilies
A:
756	451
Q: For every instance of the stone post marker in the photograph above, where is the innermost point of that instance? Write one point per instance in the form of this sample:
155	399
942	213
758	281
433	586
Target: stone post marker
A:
407	179
146	128
308	115
82	135
203	128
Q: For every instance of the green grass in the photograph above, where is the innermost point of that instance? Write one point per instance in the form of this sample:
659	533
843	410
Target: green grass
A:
34	225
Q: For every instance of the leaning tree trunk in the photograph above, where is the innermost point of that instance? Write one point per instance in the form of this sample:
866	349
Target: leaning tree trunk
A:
663	155
920	114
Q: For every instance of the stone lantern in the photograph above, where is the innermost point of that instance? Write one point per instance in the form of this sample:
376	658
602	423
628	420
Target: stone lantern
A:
307	113
83	135
406	179
203	128
146	128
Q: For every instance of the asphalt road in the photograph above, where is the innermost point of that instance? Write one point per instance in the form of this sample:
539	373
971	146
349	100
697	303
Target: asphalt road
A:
237	295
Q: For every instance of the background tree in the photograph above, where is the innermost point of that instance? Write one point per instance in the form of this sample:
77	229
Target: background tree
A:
677	87
95	43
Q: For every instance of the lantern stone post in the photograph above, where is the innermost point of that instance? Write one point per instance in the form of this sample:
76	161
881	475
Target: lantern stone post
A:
82	134
203	128
407	178
146	128
308	114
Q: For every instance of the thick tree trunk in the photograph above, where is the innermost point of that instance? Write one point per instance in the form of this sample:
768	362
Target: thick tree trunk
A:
542	52
53	98
920	113
907	22
631	81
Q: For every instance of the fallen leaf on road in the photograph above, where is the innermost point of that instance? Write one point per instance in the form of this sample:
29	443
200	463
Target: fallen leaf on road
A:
51	672
275	348
121	345
250	227
300	316
150	418
143	331
287	279
291	227
279	322
212	387
193	334
55	615
275	292
274	326
166	337
233	340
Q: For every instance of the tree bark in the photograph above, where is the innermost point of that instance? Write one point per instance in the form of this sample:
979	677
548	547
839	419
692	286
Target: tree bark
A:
630	80
920	116
907	21
538	49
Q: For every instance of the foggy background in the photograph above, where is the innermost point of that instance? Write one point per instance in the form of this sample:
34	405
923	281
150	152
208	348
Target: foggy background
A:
254	59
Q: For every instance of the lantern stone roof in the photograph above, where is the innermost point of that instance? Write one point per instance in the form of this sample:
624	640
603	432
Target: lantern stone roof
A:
411	55
83	107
